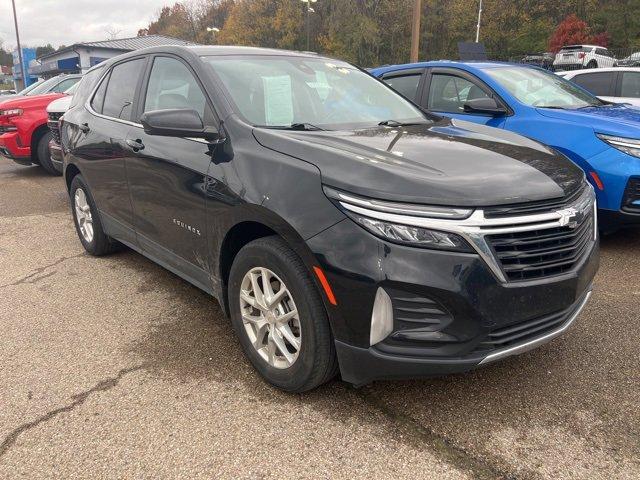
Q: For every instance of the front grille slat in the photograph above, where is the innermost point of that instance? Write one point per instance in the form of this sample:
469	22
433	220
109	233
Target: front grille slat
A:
542	253
532	208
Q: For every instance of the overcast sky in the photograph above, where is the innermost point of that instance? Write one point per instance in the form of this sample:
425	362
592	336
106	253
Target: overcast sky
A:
70	21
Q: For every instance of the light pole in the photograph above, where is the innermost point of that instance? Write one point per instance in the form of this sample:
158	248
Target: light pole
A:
213	31
309	10
479	18
15	21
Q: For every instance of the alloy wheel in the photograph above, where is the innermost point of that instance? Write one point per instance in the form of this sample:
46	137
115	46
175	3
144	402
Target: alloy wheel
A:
270	317
83	215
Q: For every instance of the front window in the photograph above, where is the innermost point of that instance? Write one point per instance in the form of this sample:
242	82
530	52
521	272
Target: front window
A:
538	88
278	91
449	93
43	87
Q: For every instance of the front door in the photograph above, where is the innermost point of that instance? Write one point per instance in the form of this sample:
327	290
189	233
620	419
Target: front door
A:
167	176
447	92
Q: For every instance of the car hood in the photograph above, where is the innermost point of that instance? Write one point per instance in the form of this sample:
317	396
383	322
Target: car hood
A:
6	98
61	105
616	119
31	101
451	162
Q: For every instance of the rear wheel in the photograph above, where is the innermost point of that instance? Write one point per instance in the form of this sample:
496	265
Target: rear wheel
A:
278	315
87	220
592	64
44	155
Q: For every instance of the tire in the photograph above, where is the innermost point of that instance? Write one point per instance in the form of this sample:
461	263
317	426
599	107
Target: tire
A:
44	156
98	243
315	360
592	64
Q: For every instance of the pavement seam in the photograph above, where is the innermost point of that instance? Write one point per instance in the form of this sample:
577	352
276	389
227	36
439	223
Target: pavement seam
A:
33	276
78	400
458	457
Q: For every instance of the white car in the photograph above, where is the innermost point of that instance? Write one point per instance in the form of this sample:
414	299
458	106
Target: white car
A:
574	57
55	111
619	85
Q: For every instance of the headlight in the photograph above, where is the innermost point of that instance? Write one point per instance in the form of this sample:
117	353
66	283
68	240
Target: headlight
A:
363	211
415	236
626	145
14	112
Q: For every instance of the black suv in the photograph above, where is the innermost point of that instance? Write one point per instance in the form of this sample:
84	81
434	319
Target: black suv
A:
340	227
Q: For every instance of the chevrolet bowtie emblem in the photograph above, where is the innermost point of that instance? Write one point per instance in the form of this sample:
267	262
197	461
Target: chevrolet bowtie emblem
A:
570	217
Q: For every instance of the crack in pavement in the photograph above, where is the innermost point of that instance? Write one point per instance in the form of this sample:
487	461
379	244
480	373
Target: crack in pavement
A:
450	453
33	276
78	400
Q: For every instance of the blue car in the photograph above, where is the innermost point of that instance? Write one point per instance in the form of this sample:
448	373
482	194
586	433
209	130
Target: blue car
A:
601	137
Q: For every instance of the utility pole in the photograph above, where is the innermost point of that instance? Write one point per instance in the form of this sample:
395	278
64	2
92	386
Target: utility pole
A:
415	30
23	70
479	18
308	20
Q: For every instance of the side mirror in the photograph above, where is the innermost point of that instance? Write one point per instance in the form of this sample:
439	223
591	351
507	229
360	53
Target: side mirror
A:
178	122
484	105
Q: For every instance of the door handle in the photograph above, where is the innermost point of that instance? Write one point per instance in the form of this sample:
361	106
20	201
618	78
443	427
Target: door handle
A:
84	128
136	145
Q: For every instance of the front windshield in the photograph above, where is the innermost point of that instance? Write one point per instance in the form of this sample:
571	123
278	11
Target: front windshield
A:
72	89
278	91
43	87
30	87
538	88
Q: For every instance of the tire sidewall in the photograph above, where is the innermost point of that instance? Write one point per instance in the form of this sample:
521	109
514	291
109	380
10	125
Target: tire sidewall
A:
44	155
294	377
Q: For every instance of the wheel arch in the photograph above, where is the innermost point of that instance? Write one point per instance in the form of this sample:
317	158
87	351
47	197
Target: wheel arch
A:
258	223
70	172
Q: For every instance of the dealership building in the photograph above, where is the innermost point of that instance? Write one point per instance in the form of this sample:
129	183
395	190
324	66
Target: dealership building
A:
80	57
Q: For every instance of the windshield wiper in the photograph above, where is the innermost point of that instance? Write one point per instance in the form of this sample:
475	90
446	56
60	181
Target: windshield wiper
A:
395	123
305	127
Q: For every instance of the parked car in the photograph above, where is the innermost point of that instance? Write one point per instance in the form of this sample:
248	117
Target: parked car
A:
7	92
572	57
24	132
544	60
620	84
602	138
56	84
632	60
337	224
55	111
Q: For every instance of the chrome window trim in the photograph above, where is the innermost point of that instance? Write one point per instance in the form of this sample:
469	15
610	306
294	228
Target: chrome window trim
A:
476	226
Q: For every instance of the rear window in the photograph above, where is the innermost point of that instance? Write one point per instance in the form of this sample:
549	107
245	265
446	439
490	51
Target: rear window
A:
574	48
83	89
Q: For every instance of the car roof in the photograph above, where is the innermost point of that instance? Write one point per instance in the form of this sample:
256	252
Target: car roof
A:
575	73
465	65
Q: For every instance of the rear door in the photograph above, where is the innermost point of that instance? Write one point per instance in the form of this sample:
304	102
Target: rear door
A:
448	89
168	175
98	138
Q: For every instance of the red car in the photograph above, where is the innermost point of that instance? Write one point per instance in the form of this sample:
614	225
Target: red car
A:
24	134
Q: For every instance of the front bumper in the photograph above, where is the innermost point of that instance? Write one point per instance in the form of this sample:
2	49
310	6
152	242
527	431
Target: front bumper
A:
450	312
11	147
55	151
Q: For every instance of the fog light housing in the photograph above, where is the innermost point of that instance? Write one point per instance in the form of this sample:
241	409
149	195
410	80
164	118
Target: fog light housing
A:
381	317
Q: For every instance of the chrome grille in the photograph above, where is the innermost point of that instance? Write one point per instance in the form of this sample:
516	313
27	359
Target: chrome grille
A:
54	126
55	116
542	253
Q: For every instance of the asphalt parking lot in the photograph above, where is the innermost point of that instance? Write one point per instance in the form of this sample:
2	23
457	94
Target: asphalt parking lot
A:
114	368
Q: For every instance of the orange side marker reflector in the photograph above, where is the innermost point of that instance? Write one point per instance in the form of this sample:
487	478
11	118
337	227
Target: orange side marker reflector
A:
325	285
596	179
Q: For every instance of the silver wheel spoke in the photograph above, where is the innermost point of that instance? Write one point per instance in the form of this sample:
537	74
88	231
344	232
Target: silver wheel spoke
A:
286	332
257	291
277	339
83	215
287	316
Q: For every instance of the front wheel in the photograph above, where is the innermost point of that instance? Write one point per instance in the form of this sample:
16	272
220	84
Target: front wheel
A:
278	316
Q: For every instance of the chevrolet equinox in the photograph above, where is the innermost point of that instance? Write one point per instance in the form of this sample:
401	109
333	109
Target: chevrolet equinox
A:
341	228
